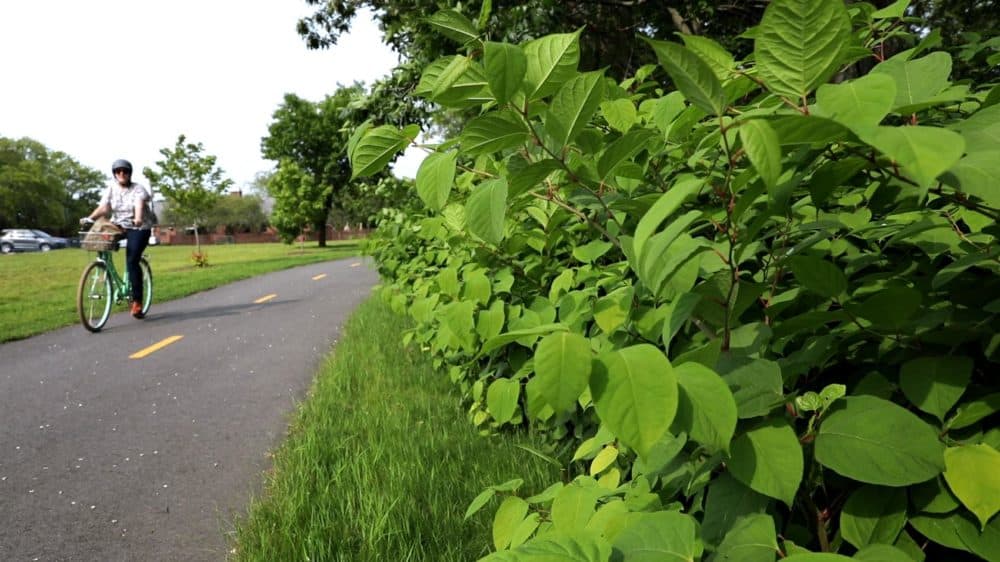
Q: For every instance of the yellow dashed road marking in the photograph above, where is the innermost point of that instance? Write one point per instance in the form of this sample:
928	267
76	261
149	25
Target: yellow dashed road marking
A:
318	277
265	299
355	264
154	347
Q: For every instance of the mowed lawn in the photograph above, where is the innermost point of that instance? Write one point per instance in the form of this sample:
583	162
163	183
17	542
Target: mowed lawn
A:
38	290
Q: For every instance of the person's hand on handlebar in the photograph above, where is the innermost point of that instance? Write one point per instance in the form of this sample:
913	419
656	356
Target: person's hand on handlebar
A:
85	221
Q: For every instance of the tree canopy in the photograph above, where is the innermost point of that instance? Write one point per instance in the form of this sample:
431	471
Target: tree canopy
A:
189	180
43	188
313	182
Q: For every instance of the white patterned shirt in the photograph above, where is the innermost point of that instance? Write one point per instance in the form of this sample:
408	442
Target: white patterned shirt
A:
123	201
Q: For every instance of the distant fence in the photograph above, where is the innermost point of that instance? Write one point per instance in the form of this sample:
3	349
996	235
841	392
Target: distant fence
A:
171	237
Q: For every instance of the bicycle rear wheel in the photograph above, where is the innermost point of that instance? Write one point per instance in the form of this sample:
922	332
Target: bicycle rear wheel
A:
147	285
94	297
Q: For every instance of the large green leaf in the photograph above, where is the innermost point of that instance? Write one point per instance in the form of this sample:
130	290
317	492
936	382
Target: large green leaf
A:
458	324
573	506
859	104
678	312
665	205
934	384
573	106
527	178
453	25
509	515
635	393
453	81
975	410
706	409
619	113
890	308
975	175
958	530
761	145
917	81
505	67
490	322
486	210
376	148
692	76
757	388
769	459
876	441
515	335
981	131
563	365
752	539
973	474
717	57
623	150
663	536
873	514
819	276
794	130
557	547
551	61
501	399
612	311
493	132
882	552
799	44
435	178
816	557
726	502
923	153
450	75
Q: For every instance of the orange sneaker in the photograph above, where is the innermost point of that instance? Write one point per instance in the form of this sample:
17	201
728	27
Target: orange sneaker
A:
137	310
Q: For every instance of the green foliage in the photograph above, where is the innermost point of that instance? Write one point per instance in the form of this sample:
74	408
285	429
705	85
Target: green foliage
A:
44	189
311	141
760	306
190	181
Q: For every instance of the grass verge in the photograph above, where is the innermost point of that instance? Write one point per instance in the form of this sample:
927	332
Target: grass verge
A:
38	290
381	462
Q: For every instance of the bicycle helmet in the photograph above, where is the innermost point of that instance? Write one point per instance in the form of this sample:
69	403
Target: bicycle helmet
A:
119	164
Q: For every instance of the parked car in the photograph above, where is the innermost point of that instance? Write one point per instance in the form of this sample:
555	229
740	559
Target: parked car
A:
29	240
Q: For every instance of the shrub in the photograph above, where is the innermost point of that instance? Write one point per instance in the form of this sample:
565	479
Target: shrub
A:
756	314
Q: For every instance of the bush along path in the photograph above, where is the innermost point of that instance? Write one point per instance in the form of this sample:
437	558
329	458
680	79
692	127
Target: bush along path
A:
762	306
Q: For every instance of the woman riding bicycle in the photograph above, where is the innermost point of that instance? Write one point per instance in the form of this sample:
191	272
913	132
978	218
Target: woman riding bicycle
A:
127	204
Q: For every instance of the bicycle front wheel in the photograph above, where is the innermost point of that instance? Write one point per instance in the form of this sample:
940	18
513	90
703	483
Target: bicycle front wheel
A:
94	297
147	285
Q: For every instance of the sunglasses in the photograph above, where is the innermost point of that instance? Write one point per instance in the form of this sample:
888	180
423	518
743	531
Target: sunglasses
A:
122	171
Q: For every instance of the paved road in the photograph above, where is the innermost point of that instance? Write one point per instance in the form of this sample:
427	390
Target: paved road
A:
109	458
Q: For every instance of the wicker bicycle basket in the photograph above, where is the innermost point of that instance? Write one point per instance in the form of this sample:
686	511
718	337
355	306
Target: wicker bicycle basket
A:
103	235
98	241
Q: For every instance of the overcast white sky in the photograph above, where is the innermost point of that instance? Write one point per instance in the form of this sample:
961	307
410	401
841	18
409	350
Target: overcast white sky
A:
111	79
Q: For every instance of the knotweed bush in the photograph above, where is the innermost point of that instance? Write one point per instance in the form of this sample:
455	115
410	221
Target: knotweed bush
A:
760	305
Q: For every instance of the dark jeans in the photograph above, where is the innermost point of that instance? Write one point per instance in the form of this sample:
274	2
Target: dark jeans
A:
135	245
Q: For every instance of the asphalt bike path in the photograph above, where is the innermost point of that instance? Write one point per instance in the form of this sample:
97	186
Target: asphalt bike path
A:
142	442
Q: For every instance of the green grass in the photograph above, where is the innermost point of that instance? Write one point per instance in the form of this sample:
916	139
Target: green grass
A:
381	462
38	290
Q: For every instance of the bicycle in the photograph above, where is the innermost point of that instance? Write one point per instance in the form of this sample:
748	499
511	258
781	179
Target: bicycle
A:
101	286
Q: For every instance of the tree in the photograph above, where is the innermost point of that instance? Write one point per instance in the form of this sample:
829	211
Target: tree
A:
44	189
612	25
239	213
313	137
190	181
296	203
